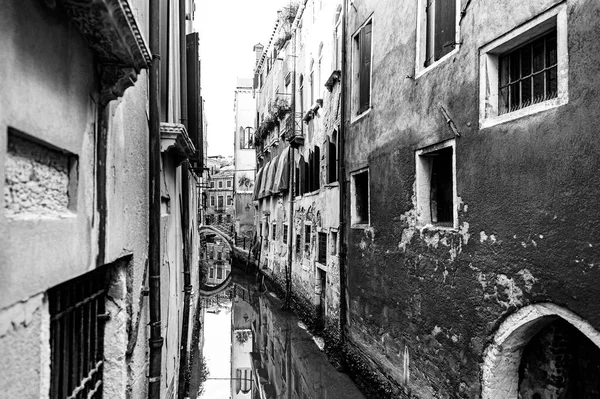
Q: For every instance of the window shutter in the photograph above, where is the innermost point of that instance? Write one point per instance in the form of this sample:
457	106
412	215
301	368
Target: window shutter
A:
164	60
326	156
365	68
332	162
193	89
317	169
445	27
309	172
302	176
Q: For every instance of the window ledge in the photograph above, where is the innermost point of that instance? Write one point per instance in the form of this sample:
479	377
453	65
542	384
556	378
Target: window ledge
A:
434	227
423	71
360	116
332	184
361	226
520	113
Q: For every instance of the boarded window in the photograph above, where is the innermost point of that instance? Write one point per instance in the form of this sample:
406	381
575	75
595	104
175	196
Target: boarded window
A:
77	316
316	169
285	233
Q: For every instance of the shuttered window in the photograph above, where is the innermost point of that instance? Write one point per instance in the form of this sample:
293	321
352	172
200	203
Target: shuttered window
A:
362	63
316	169
302	176
330	155
441	29
77	317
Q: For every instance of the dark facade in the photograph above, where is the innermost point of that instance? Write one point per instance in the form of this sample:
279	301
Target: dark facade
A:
475	226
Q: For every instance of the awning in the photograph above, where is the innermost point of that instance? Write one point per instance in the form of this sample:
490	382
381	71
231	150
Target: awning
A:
263	182
257	182
271	176
282	175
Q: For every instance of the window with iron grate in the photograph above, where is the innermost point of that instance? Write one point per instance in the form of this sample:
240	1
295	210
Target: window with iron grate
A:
322	248
529	74
77	317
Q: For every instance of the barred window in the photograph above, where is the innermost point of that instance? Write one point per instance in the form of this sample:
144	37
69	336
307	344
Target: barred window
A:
322	248
529	74
77	316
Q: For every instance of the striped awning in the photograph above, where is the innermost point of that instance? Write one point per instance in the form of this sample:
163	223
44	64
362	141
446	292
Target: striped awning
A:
257	182
271	176
282	176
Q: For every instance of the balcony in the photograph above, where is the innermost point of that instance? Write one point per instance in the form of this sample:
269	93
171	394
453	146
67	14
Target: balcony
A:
293	130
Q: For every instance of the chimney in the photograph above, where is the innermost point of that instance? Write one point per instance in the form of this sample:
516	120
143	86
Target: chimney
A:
258	50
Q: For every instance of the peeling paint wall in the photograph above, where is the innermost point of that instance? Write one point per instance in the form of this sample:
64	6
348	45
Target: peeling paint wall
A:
526	224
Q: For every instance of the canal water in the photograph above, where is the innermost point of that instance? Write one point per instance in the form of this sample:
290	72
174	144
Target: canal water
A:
250	348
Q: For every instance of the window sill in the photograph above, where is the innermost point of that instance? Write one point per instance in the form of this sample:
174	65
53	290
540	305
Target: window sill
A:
360	226
332	184
531	110
430	226
423	71
360	116
320	265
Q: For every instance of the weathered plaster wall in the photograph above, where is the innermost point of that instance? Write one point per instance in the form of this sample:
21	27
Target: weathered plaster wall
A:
424	302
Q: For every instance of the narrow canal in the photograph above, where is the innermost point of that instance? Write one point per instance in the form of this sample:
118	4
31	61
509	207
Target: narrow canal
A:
248	347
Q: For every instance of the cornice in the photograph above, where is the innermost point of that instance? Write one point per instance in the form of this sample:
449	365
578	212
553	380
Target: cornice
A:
112	32
175	140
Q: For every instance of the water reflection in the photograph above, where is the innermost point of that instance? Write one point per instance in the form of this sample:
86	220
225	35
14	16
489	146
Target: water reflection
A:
217	259
268	353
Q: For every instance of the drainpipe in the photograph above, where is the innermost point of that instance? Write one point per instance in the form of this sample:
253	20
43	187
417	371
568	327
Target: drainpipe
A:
185	212
342	183
156	341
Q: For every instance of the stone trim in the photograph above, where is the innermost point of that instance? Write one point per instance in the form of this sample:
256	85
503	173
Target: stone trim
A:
174	139
111	30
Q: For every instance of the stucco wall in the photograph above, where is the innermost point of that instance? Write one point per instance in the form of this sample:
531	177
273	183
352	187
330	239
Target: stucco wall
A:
424	301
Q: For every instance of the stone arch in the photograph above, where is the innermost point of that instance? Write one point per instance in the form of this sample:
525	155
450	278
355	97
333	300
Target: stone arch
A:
502	357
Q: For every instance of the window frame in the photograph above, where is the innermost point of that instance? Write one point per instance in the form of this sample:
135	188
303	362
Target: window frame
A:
422	36
423	185
356	223
322	247
355	104
489	77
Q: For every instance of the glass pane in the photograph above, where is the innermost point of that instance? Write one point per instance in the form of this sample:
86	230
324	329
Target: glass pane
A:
526	92
552	83
504	63
515	96
503	101
538	55
538	88
526	61
551	57
515	66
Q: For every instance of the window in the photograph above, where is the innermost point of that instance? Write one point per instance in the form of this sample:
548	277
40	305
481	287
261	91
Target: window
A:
307	237
228	183
312	82
285	233
331	157
220	202
211	272
220	184
219	270
229	200
301	98
228	218
525	71
437	31
337	39
298	244
361	63
212	200
274	231
436	185
319	71
246	137
212	184
77	317
322	256
359	194
315	169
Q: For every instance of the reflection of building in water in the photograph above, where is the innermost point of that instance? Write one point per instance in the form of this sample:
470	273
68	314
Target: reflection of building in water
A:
287	362
242	316
218	260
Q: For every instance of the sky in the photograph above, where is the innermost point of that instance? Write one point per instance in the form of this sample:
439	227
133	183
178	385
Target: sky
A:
228	31
217	352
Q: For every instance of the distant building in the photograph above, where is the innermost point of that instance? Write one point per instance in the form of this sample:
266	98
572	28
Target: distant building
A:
219	194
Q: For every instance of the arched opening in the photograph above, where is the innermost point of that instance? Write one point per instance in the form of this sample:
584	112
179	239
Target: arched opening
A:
542	351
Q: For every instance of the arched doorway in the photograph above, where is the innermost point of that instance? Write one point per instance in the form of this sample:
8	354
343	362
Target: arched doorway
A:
540	352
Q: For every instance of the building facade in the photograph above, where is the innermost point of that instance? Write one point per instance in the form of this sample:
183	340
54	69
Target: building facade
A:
244	159
75	210
219	194
471	164
297	192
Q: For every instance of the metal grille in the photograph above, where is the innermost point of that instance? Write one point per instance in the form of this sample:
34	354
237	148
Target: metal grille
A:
529	74
77	315
323	248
